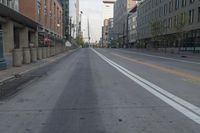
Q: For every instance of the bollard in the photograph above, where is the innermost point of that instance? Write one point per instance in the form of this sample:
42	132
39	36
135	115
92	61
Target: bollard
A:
26	56
33	54
52	51
39	53
17	57
48	52
44	52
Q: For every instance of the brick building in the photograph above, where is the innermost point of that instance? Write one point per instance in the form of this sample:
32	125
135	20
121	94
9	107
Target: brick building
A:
17	32
48	13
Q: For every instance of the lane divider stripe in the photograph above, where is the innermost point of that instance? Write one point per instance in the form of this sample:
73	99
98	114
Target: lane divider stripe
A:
186	108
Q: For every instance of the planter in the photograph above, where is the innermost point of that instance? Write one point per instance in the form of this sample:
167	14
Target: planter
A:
48	52
44	52
26	56
33	54
52	51
39	53
17	57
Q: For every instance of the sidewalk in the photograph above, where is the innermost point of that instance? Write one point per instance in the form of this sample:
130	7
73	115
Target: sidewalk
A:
180	55
13	72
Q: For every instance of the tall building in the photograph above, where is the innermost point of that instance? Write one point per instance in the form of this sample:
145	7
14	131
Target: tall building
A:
77	17
65	5
108	6
110	32
73	18
105	33
121	10
132	25
48	13
179	19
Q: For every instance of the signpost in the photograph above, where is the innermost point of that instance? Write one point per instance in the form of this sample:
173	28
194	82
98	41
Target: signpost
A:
3	64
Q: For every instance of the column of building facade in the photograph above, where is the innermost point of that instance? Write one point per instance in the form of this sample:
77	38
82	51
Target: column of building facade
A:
8	39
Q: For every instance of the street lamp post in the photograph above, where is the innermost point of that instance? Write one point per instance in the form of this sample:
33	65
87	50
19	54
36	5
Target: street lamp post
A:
3	63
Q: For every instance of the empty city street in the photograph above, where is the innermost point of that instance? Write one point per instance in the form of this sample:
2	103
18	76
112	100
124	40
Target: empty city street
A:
108	91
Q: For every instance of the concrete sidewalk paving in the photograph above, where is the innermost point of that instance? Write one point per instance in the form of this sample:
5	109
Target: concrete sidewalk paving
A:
180	55
13	72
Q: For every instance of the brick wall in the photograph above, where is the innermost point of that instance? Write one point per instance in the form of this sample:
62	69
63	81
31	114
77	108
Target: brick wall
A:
49	15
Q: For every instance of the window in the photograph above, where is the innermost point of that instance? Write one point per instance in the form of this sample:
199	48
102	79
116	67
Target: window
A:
38	6
183	3
170	23
183	18
170	6
175	21
192	1
165	9
199	14
45	8
191	16
176	4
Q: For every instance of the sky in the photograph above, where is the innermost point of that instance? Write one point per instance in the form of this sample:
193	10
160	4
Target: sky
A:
96	11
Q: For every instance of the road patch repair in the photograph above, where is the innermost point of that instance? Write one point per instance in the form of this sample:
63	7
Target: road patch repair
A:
11	84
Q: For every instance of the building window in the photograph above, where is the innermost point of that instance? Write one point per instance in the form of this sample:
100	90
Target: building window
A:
176	4
183	3
165	9
192	1
38	6
170	23
183	18
191	16
199	14
170	6
45	7
175	21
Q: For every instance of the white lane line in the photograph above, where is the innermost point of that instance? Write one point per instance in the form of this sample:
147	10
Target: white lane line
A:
186	108
161	57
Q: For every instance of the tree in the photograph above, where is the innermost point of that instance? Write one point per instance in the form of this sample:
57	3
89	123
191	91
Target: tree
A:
157	31
79	40
179	27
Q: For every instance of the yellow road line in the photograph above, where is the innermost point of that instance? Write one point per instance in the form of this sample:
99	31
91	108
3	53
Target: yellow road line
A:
172	71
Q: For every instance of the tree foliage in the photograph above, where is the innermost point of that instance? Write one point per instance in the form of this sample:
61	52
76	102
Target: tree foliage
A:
157	28
79	40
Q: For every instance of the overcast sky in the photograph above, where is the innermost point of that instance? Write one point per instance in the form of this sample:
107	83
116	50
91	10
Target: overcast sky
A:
96	11
92	9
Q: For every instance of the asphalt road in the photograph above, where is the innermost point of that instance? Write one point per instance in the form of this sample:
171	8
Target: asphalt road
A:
108	91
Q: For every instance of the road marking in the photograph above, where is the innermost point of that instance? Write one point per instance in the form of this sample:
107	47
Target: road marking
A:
161	57
172	71
189	110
